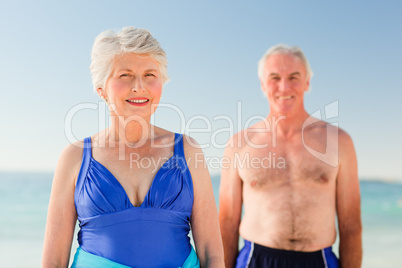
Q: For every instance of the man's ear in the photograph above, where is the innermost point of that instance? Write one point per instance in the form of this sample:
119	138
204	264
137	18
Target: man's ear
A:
308	85
264	93
262	85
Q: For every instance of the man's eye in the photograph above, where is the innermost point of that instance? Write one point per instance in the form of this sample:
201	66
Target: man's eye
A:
150	75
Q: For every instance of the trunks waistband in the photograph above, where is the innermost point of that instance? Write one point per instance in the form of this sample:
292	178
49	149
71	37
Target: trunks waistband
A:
260	249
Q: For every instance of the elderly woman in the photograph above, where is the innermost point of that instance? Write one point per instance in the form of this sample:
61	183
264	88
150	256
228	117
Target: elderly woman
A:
132	215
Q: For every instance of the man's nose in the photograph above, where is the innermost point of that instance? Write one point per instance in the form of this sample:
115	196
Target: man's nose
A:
138	85
283	85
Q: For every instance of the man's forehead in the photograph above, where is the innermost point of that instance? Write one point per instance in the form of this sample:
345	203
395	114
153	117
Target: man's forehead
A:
284	64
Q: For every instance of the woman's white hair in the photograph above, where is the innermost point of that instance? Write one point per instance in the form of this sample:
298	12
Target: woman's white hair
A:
110	44
284	49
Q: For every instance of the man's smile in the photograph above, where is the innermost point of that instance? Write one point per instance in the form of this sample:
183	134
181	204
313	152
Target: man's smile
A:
285	97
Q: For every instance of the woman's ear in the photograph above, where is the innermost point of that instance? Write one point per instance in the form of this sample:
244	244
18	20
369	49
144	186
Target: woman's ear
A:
101	93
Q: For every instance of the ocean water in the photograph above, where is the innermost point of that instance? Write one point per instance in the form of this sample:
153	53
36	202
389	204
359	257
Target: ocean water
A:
24	199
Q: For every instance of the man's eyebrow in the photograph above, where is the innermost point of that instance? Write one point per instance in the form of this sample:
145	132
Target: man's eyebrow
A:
295	73
273	74
129	70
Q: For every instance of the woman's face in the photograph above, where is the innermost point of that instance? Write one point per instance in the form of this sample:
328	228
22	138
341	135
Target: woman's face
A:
134	86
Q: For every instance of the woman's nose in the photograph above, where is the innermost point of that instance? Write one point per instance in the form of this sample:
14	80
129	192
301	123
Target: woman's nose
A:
138	85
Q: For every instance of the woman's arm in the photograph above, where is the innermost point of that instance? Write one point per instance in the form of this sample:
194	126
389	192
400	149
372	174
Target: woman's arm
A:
62	216
204	219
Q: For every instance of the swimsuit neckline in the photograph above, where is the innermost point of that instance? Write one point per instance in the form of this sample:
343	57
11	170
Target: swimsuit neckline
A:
121	186
117	182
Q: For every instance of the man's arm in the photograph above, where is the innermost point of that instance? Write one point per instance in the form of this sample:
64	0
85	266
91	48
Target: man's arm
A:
230	205
348	205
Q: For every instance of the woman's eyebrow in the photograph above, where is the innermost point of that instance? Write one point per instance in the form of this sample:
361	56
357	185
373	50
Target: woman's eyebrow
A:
151	70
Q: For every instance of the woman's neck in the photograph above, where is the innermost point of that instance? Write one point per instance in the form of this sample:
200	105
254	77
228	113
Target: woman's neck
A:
129	131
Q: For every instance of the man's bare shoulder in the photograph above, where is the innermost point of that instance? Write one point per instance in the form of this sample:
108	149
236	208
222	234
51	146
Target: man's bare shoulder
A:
333	134
242	139
344	138
346	146
320	127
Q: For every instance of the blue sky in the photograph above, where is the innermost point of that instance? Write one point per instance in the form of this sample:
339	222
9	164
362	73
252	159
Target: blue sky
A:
355	50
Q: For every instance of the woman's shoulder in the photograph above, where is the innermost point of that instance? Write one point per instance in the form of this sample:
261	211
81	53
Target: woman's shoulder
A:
72	151
163	137
192	149
69	163
71	156
190	146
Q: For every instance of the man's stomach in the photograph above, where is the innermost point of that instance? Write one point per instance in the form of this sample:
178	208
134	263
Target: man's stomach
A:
285	226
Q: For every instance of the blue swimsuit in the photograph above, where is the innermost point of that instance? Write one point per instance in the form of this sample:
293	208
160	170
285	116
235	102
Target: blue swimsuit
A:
113	231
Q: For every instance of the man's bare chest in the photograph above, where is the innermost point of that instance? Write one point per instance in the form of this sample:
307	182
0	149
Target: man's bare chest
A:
282	165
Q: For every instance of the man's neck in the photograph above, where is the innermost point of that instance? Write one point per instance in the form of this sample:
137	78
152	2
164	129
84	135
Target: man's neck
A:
287	125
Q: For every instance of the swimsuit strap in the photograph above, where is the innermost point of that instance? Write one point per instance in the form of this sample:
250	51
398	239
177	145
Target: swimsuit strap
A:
178	145
86	158
87	152
182	162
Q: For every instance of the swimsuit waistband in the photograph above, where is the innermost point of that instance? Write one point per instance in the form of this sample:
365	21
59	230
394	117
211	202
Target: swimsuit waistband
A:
83	259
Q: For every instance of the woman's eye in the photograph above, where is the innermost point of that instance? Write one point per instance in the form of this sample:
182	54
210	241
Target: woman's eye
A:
124	75
150	75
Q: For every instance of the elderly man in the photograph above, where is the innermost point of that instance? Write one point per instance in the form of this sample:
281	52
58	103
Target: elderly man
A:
295	175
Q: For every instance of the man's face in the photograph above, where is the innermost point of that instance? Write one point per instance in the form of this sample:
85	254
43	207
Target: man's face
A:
284	82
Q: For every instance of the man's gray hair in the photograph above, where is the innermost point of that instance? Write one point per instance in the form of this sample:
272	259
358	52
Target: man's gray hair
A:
284	49
110	44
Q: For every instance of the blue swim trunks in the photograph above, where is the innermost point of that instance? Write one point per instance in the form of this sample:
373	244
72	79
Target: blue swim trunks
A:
254	255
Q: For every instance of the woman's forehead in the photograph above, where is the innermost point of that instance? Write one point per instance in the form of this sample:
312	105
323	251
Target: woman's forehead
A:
134	61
